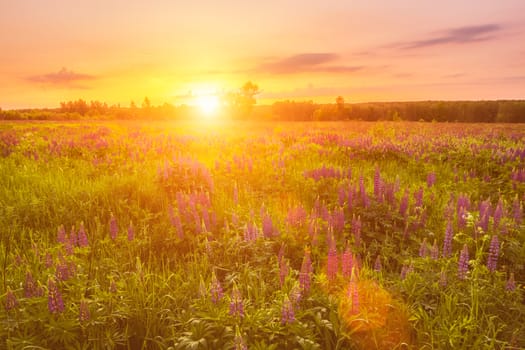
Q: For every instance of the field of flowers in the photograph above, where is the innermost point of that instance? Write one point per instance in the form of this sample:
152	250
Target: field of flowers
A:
262	236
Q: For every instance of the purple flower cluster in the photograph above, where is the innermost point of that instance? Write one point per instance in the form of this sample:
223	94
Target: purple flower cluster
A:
492	260
10	300
236	303
216	292
55	303
305	275
287	312
332	264
463	263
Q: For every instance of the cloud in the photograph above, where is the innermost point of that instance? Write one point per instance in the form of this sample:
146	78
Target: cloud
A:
306	62
462	35
63	77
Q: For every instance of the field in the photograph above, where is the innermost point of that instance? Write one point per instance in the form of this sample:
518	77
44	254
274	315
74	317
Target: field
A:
339	235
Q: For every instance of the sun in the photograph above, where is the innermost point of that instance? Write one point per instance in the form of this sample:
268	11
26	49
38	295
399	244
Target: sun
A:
208	104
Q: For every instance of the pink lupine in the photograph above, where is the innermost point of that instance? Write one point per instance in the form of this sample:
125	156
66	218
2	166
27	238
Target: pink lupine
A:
403	205
431	179
332	264
463	263
55	302
347	262
511	283
30	286
492	260
356	230
418	196
61	234
284	270
238	340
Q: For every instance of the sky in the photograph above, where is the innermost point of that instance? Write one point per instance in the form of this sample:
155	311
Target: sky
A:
118	51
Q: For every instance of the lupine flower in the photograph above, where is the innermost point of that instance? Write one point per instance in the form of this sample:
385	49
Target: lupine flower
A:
68	247
332	264
347	262
431	179
305	275
236	303
287	313
403	205
83	312
418	196
406	270
447	242
423	251
377	264
55	303
215	289
73	238
10	300
131	231
267	226
113	227
498	213
516	211
378	185
463	263
283	270
296	294
362	191
61	234
48	260
30	287
82	236
238	341
492	260
511	283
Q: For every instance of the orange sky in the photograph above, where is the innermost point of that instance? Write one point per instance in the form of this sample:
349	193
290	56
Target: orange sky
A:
118	51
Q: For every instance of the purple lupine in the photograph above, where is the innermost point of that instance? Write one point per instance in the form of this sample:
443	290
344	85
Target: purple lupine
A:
131	231
418	197
377	264
287	312
55	302
82	236
337	220
347	262
498	213
434	251
48	260
61	234
83	312
113	227
362	192
236	303
68	247
378	185
332	264
511	283
406	270
215	289
447	242
492	260
423	249
10	300
463	262
356	230
305	275
73	238
267	226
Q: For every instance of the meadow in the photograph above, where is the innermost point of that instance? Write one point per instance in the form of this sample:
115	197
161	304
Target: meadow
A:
342	235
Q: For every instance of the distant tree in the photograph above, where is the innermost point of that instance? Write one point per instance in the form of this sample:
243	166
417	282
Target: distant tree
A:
241	103
146	104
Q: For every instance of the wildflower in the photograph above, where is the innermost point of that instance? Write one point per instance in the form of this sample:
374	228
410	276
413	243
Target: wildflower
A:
511	283
305	275
73	238
82	236
353	294
463	263
267	226
517	211
423	248
238	341
215	289
347	262
498	213
405	270
331	262
447	242
283	270
287	312
378	185
418	196
377	264
113	227
83	312
492	260
236	303
55	303
356	230
29	285
131	231
61	234
434	251
403	205
431	179
10	300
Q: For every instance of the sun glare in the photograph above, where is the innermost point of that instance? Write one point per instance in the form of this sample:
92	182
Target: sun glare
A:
208	104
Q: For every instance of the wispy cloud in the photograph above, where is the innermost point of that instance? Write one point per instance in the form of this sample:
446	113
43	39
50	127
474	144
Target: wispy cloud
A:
306	62
462	35
64	77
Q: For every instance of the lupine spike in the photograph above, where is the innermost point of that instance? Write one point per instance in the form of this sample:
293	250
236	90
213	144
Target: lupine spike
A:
10	300
287	312
305	275
113	227
55	302
492	260
463	263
